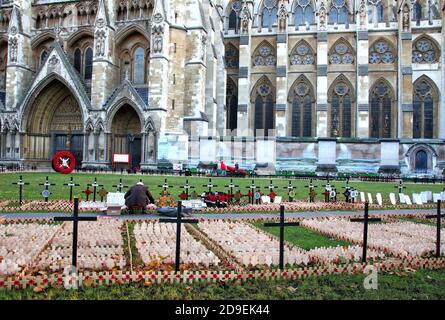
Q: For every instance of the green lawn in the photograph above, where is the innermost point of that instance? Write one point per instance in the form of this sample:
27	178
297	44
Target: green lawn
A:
59	191
422	284
303	237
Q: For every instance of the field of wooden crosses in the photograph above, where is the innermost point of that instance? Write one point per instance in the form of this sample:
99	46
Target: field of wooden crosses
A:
38	252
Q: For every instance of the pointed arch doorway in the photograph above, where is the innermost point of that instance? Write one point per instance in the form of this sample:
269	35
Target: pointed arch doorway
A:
53	122
126	134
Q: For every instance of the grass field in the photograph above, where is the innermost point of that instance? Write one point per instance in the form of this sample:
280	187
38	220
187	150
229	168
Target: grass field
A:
303	237
420	285
8	191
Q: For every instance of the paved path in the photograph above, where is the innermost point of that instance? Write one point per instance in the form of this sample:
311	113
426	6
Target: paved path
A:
15	216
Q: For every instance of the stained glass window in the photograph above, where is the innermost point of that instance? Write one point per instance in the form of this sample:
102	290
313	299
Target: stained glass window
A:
269	14
264	56
232	56
341	53
380	113
43	57
264	107
302	54
375	11
304	12
417	11
341	109
339	12
88	64
77	59
423	109
139	66
234	15
302	109
425	51
381	52
232	105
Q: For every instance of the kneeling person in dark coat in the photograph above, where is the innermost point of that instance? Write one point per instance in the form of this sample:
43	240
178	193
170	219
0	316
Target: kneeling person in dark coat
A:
138	197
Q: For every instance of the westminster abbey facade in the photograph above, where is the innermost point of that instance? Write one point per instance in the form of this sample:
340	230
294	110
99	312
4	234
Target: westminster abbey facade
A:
307	85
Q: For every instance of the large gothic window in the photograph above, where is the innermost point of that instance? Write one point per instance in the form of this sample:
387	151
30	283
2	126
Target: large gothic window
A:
88	64
302	54
424	101
375	11
341	108
339	12
264	55
303	12
78	60
341	53
139	66
269	14
234	19
232	56
381	107
232	104
425	51
302	99
381	52
264	114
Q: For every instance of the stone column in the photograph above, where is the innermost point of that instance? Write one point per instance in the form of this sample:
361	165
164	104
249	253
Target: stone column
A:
86	156
405	78
442	88
362	123
12	137
322	72
18	73
104	62
96	146
389	156
281	100
244	71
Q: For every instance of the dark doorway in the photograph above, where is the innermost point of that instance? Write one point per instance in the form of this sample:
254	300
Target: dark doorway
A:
134	146
75	146
126	135
421	162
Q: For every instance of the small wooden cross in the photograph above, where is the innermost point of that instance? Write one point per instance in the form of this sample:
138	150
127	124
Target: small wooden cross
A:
231	185
87	192
165	185
438	217
119	186
186	187
290	188
46	192
311	188
95	185
210	185
20	183
282	225
400	186
71	184
75	219
271	186
365	221
252	189
102	194
179	221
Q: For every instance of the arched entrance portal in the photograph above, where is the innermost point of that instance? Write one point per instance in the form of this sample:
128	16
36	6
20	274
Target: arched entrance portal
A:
126	134
54	123
421	163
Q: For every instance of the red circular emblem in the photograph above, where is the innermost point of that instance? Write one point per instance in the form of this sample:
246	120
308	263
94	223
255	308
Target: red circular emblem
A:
64	162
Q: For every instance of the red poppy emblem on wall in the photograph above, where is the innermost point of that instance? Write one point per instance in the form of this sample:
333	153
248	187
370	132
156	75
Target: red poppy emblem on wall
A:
64	162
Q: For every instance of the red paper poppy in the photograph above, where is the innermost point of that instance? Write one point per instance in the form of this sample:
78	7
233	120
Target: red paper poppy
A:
64	162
